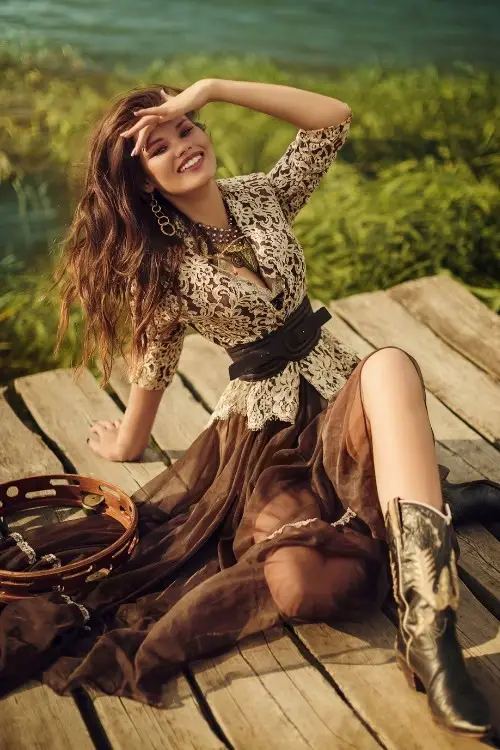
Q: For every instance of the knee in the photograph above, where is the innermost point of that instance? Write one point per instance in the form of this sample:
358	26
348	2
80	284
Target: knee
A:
291	599
307	586
390	365
286	571
295	584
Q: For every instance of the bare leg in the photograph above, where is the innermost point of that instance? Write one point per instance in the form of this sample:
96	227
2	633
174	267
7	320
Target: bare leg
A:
403	447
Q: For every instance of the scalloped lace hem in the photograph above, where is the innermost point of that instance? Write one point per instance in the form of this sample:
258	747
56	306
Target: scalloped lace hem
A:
327	368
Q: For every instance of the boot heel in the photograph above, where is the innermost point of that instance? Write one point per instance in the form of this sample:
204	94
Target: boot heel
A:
411	677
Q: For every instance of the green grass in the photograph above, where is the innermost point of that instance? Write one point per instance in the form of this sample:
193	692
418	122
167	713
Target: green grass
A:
414	193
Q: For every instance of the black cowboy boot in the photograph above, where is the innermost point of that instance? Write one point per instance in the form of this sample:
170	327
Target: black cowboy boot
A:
426	588
471	502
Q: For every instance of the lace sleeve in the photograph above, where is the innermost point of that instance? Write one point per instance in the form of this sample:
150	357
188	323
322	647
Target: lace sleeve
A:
161	359
298	172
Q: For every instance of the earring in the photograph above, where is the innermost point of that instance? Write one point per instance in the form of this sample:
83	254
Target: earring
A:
164	222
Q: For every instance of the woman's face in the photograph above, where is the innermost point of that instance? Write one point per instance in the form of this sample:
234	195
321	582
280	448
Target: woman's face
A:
170	147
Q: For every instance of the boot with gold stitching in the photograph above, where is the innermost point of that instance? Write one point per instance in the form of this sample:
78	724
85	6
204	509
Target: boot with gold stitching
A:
423	551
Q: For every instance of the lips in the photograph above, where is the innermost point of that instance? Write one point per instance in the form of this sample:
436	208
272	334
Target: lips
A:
188	158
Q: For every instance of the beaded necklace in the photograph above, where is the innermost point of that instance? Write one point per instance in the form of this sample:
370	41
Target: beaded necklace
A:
232	246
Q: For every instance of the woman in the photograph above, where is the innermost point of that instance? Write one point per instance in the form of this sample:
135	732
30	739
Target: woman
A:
312	461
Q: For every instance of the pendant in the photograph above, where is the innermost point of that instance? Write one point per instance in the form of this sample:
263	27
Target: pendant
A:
237	260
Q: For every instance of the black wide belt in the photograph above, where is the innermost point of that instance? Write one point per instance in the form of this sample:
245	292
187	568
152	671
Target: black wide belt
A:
269	355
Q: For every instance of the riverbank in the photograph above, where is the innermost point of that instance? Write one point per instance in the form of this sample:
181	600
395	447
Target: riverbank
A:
414	193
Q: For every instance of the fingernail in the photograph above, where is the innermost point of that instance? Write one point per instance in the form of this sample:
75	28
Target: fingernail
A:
136	112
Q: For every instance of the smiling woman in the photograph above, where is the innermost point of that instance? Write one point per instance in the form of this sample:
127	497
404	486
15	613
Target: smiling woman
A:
312	464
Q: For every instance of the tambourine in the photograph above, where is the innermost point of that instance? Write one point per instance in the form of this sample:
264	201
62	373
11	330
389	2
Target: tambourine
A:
66	490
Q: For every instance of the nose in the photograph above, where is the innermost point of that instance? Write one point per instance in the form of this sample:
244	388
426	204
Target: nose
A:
183	149
181	153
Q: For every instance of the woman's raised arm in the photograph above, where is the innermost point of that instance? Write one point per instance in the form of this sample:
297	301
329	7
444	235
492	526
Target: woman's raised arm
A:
304	109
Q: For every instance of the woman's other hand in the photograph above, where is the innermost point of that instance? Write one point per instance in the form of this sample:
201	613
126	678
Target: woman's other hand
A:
126	439
192	98
104	440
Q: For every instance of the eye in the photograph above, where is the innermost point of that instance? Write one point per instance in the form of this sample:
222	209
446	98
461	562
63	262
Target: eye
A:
184	132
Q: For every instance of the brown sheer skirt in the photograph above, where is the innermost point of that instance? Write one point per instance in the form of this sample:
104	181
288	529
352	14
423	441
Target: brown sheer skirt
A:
248	528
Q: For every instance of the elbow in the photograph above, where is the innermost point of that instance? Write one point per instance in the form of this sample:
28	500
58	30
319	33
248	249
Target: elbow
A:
346	113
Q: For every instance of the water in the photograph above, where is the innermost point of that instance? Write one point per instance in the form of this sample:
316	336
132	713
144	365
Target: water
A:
310	33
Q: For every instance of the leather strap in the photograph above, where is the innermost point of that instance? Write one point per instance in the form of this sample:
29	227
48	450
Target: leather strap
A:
269	355
66	490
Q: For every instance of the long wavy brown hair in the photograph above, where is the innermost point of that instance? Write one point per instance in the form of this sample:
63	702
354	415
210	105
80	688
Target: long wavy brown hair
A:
114	260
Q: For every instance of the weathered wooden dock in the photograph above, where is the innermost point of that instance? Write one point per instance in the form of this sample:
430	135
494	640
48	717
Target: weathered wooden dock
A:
311	686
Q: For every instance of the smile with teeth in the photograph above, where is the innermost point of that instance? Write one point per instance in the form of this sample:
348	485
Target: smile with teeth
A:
191	163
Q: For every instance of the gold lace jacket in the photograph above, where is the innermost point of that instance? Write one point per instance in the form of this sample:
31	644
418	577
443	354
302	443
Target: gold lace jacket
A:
230	310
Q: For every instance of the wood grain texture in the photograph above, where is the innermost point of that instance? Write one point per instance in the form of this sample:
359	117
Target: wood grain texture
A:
360	658
456	316
34	716
448	428
461	385
265	694
23	454
205	364
65	410
130	725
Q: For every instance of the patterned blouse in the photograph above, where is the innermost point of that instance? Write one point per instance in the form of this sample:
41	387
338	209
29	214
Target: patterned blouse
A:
229	310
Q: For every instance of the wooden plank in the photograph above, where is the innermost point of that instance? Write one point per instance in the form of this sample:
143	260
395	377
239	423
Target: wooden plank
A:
479	565
448	429
34	716
360	658
22	454
205	364
135	726
463	387
180	417
456	316
65	410
265	694
479	635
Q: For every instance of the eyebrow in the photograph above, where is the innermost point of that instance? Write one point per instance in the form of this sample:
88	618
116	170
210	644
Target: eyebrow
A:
157	140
